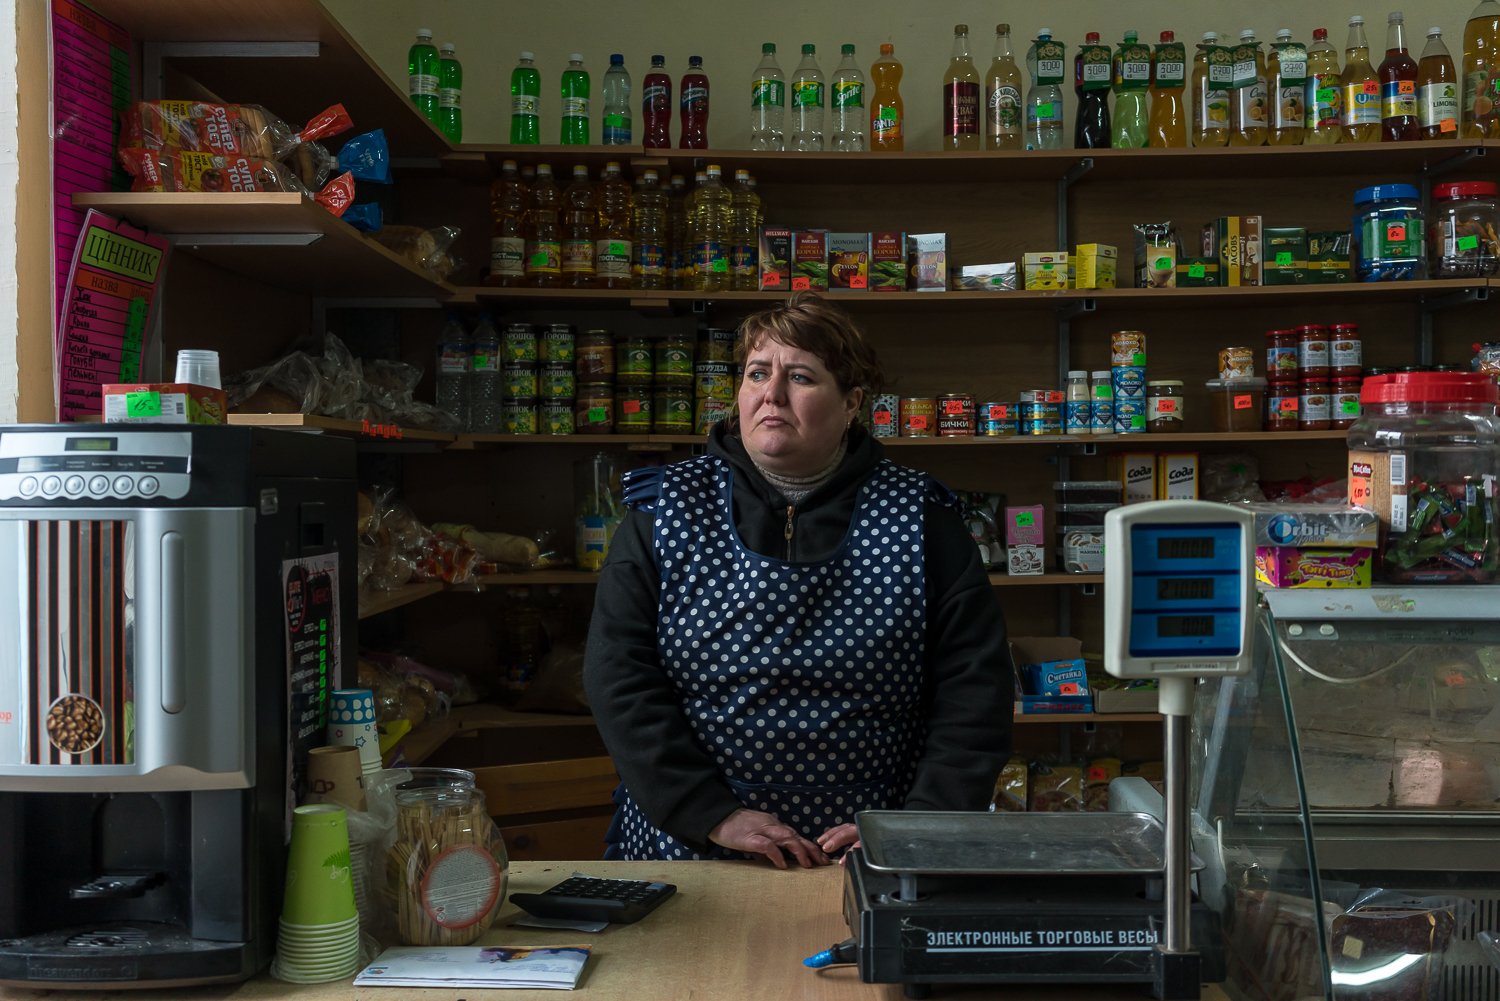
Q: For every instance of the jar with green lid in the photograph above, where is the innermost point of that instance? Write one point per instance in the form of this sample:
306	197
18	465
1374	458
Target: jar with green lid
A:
672	410
674	360
633	363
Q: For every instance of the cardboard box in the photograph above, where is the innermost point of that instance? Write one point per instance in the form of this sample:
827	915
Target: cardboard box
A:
927	262
1314	525
986	278
1177	476
1236	242
1286	256
888	262
1047	271
810	260
1056	677
1135	695
1284	566
849	261
1025	561
775	259
1155	255
1198	272
164	403
1328	259
1057	657
1136	472
1094	265
1025	526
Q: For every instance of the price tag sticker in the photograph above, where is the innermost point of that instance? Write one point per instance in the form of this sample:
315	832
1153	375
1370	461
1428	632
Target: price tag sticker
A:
999	412
1406	86
1288	405
1025	519
619	248
801	284
771	279
953	406
143	404
1349	408
889	115
882	418
1163	263
538	259
1468	243
1371	87
859	281
917	422
1196	271
1395	232
1284	259
720	265
1243	402
598	415
1043	111
1448	125
1166	406
631	406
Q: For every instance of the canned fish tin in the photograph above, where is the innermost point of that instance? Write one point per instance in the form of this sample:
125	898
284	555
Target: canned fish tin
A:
955	415
1127	347
594	408
1129	382
556	345
557	417
1236	363
557	382
518	416
1130	416
707	412
633	409
715	380
672	410
520	379
918	416
885	415
633	360
594	356
519	343
997	420
674	360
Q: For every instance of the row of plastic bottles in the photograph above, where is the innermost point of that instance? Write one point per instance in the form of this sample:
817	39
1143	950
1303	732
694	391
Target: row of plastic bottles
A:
435	82
467	375
616	123
606	235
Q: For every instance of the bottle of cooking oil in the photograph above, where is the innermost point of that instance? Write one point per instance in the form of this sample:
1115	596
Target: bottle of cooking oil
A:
1168	128
1286	71
1482	71
1324	94
677	209
1248	116
1437	89
710	220
1212	69
744	232
1361	88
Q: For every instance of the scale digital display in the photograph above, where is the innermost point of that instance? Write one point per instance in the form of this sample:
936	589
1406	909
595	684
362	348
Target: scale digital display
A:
1178	626
91	444
1183	547
1184	588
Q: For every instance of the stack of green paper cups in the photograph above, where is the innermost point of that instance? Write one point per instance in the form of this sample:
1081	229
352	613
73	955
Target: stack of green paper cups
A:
319	933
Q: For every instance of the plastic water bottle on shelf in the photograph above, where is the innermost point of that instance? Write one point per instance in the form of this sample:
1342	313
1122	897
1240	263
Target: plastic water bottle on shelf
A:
617	103
544	231
1399	117
525	102
656	106
848	105
451	392
1044	99
422	73
1324	93
694	105
1286	76
484	379
450	94
1091	69
1169	118
1437	89
677	226
768	102
651	260
1361	88
1213	69
575	102
807	103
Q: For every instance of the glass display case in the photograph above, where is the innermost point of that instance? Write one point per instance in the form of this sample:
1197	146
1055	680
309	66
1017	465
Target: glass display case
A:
1347	797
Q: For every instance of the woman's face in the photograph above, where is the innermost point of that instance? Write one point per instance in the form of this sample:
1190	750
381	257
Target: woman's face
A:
792	411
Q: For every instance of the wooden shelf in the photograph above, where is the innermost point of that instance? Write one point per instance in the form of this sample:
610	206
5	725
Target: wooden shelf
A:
1281	296
280	238
362	430
1045	579
1120	440
525	578
1088	717
419	743
375	602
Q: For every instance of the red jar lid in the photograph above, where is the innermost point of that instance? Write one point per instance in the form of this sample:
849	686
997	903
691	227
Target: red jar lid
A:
1281	333
1465	189
1344	327
1312	328
1431	387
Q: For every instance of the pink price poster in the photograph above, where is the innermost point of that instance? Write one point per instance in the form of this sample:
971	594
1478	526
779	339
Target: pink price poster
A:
112	286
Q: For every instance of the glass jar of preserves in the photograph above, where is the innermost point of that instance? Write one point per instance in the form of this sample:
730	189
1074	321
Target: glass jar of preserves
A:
1346	356
1344	410
594	356
1388	234
1164	406
633	409
1281	356
672	410
674	360
1312	352
1283	403
594	408
1314	410
633	362
1463	230
1424	456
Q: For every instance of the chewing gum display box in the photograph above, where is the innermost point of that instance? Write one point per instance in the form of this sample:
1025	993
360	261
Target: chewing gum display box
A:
164	403
810	260
887	262
1052	675
1094	265
1046	271
1286	256
1298	526
775	259
927	262
1136	472
1284	566
849	261
1177	476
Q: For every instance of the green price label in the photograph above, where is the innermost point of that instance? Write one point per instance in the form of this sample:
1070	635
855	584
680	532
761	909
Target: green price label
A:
618	121
1196	271
1349	408
143	404
1025	519
598	415
720	265
618	248
889	115
1043	111
1284	259
481	363
1162	263
1468	243
539	259
1326	95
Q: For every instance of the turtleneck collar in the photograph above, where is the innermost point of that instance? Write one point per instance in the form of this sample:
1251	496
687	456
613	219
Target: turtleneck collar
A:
797	488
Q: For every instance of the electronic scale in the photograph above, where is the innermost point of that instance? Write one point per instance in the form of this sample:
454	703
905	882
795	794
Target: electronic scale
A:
1076	898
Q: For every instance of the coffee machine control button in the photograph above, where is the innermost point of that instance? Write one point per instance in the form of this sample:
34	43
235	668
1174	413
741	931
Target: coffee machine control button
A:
99	485
51	485
28	486
73	485
124	485
148	485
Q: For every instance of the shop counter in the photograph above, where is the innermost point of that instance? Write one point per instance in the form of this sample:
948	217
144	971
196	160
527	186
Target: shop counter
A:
735	930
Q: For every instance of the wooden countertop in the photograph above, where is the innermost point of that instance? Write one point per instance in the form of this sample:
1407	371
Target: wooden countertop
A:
734	930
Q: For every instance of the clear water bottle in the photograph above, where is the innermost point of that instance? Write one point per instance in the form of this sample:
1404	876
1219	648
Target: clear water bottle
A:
617	103
807	103
1044	100
422	73
575	102
452	389
484	379
848	105
450	94
768	102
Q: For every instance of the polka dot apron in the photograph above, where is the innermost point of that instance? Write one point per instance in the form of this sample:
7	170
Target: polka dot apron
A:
803	680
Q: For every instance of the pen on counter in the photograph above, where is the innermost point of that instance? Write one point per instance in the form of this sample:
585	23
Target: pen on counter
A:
834	954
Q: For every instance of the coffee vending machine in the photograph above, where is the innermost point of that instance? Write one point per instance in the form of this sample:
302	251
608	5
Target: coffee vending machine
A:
176	601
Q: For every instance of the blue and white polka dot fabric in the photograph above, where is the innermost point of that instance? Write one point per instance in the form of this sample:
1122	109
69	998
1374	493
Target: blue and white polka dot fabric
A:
803	680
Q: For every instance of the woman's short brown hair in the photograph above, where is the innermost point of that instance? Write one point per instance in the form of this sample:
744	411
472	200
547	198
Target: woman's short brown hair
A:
814	324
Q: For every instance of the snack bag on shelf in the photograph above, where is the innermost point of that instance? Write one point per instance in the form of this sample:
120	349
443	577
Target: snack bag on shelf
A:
180	170
226	129
427	249
1010	787
1055	788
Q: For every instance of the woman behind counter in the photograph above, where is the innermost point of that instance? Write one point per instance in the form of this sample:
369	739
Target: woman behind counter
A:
791	628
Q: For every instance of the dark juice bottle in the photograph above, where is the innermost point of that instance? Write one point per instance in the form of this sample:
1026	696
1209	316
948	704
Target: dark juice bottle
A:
694	106
656	106
1399	118
1092	67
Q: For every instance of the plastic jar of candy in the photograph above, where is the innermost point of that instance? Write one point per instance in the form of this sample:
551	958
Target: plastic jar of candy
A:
1389	234
1463	230
1424	457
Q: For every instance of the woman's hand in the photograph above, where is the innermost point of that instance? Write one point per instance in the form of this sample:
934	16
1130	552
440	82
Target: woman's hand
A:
762	834
838	838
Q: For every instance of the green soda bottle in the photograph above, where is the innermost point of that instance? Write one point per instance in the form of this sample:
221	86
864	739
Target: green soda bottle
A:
575	102
450	94
422	73
525	102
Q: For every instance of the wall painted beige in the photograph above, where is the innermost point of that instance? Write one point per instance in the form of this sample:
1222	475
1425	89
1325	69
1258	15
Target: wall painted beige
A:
489	34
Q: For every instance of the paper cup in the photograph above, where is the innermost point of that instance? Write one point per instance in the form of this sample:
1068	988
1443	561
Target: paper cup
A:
200	368
319	890
351	722
335	774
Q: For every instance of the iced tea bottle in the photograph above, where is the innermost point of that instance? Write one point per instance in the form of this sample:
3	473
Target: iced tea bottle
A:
1324	94
1398	87
1361	88
1003	95
1168	128
1212	67
1248	112
1482	71
886	113
1286	72
1437	89
961	89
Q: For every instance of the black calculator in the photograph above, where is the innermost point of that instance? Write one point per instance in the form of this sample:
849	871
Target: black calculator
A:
589	898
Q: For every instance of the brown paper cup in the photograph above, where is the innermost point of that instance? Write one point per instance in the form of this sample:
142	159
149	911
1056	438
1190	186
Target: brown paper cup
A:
334	775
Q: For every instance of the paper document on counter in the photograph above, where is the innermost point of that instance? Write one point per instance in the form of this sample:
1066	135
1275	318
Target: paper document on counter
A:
554	967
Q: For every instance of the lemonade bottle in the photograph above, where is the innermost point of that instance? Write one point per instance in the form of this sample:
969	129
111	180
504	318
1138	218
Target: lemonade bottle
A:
1248	115
1361	88
1398	86
885	103
1437	89
1168	128
1003	95
1286	71
1131	76
1482	71
1324	94
1213	66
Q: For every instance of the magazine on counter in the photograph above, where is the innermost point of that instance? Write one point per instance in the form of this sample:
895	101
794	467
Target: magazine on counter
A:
555	967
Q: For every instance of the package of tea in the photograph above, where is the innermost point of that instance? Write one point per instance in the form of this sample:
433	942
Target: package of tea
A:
810	260
849	261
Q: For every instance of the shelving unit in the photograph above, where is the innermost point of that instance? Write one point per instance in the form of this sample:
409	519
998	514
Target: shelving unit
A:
375	602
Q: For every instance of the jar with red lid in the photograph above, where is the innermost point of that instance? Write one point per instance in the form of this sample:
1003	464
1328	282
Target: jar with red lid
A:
1281	356
1312	352
1346	356
1463	230
1344	410
1314	409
